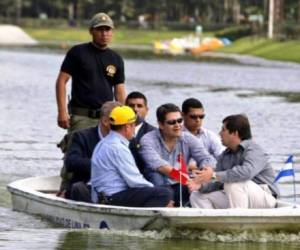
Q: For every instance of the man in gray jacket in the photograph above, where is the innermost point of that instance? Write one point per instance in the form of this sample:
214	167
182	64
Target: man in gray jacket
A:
243	177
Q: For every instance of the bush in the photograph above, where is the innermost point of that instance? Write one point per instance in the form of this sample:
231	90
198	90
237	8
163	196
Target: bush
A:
234	33
291	30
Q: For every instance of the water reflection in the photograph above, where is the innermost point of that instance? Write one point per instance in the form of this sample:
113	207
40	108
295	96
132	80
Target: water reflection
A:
99	240
62	239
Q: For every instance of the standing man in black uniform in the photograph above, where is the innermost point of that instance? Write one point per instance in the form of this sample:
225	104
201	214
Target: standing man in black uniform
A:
97	74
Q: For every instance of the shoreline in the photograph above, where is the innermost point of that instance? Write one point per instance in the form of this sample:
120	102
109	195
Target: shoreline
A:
147	52
256	51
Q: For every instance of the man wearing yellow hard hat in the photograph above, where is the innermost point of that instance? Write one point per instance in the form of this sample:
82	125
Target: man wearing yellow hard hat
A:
115	177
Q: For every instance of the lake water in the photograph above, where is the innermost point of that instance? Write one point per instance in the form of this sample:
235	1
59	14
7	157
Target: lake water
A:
28	137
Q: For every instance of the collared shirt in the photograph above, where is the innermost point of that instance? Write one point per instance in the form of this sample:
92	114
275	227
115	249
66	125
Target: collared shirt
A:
210	140
248	162
113	167
137	128
156	154
100	133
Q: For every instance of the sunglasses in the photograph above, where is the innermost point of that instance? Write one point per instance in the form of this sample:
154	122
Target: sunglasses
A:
173	122
195	117
136	105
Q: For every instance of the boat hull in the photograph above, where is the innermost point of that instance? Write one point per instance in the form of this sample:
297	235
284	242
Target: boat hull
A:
36	196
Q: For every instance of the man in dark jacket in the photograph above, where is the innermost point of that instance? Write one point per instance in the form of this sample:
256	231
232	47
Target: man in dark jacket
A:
78	156
138	102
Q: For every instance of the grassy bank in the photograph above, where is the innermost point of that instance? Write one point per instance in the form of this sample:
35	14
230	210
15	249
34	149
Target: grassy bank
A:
121	36
261	47
266	48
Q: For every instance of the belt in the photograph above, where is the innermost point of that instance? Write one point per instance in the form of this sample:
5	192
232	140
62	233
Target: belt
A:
274	195
103	199
92	113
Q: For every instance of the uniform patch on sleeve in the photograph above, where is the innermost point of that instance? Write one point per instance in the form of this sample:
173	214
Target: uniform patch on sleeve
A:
111	70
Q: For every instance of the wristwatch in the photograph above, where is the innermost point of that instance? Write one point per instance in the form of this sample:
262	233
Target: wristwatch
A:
214	176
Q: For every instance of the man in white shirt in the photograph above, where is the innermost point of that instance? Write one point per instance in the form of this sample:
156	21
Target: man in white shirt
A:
193	116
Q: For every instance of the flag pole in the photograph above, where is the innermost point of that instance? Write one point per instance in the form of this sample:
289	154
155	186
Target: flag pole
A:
288	170
183	169
180	190
294	184
180	183
294	180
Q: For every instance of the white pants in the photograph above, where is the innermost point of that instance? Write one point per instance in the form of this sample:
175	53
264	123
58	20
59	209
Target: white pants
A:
246	194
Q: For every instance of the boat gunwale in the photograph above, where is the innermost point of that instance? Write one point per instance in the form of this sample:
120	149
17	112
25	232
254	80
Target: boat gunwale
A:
17	189
52	200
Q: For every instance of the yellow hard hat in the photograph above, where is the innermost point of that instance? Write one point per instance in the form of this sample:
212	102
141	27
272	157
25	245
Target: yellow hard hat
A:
122	115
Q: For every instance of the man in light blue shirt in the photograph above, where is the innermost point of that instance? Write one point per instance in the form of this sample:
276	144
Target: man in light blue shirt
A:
115	175
162	148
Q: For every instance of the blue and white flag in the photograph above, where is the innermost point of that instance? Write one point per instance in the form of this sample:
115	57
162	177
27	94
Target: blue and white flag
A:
287	170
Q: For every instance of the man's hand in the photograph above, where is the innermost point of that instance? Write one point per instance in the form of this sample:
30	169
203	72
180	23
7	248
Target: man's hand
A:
120	93
193	185
63	120
203	175
179	176
61	193
192	166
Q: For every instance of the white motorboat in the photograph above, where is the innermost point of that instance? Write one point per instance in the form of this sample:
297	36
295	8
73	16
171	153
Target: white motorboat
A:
36	195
